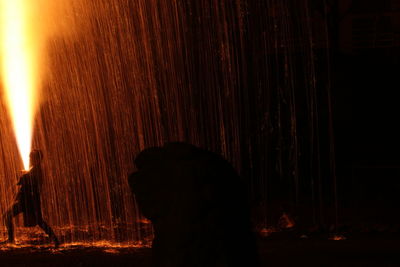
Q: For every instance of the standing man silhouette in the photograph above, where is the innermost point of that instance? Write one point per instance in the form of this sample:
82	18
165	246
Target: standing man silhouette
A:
27	200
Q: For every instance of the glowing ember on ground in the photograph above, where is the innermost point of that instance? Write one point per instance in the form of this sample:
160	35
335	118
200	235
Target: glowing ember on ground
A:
337	237
105	245
266	231
111	251
19	65
286	221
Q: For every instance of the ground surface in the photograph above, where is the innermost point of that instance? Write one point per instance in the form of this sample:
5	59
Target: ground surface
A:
362	250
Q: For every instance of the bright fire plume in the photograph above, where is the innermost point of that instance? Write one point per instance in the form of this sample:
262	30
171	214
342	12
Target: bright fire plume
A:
20	53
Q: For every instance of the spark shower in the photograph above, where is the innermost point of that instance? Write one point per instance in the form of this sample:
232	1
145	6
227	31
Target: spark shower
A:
113	77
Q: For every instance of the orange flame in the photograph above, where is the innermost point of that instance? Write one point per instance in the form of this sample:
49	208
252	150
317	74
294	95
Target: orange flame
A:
19	66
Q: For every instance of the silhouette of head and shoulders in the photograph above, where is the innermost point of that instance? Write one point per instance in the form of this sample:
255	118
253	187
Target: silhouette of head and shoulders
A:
31	180
197	204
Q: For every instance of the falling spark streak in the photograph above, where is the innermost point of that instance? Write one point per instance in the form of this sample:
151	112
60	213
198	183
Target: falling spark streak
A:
19	55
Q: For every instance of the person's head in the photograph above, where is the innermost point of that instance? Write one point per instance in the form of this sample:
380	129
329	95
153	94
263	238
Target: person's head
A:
149	157
35	157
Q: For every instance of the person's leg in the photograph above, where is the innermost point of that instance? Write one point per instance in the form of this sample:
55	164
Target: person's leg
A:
7	217
47	229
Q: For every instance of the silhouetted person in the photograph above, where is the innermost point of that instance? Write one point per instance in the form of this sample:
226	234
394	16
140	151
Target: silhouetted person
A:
27	200
197	205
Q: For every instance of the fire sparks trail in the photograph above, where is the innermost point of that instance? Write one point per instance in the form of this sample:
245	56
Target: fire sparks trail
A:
19	55
236	77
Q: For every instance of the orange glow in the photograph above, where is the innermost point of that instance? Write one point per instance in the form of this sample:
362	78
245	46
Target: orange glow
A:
337	237
19	66
286	221
266	231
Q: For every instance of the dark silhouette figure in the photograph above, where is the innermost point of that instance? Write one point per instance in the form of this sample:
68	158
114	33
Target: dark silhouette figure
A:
197	205
27	200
